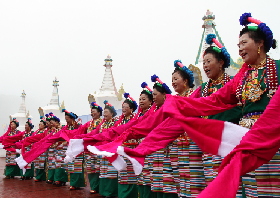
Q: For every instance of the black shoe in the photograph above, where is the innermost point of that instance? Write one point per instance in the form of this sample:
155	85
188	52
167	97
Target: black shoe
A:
59	183
49	181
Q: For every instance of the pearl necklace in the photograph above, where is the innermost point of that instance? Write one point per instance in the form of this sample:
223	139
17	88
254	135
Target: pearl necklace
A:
224	79
187	93
271	82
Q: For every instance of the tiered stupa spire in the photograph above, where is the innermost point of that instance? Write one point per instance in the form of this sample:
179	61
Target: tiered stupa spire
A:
55	96
108	89
22	114
108	86
54	105
209	27
22	108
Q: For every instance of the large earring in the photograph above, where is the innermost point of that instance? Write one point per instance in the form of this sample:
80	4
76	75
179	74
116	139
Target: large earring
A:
259	50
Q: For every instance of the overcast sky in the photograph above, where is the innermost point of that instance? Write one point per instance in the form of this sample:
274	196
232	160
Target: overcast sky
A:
40	40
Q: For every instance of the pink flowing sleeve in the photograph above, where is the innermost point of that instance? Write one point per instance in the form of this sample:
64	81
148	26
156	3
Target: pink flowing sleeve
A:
40	148
220	101
257	147
11	140
5	134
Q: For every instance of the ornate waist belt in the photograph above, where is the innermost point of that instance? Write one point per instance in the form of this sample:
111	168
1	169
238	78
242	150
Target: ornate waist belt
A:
249	119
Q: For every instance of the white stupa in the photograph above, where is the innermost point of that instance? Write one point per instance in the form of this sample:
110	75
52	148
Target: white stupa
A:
209	28
108	89
54	105
22	114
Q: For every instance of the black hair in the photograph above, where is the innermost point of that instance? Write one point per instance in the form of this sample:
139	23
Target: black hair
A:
44	122
16	123
150	96
131	105
98	109
159	88
217	55
111	110
30	125
258	36
184	75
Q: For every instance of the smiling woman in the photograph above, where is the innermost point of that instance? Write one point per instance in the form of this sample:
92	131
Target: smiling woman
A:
251	89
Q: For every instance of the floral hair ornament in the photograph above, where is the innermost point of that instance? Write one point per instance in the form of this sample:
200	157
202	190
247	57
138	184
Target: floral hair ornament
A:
247	18
134	103
29	122
47	117
111	107
178	64
42	119
210	39
157	81
71	114
145	86
53	117
14	120
94	105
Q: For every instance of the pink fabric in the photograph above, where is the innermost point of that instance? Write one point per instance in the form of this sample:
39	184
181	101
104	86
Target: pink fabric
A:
112	134
257	147
5	134
201	131
92	133
160	127
32	139
139	129
220	101
42	146
9	141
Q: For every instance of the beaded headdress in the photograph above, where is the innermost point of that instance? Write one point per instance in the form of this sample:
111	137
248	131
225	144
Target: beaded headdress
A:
158	82
131	100
94	105
178	64
29	122
111	107
210	39
70	114
47	117
146	88
246	19
53	117
14	120
42	119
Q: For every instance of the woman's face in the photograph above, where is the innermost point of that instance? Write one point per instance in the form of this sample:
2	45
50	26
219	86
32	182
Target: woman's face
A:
48	123
52	123
248	49
13	126
107	114
27	127
178	83
126	110
41	126
144	102
212	67
56	124
95	114
158	98
68	119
